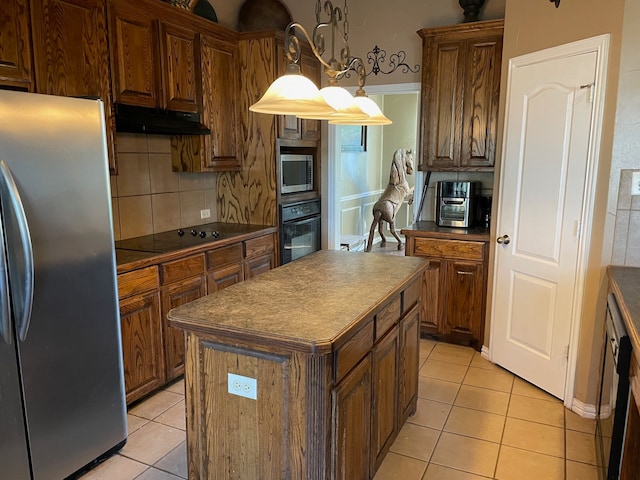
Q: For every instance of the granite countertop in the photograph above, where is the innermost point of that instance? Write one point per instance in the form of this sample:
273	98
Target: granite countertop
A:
306	304
625	284
431	229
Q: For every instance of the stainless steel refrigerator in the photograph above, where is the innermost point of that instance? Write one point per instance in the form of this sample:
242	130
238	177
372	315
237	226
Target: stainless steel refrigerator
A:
61	385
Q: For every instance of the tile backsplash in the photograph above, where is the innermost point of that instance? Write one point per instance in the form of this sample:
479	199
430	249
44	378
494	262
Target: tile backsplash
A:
148	197
626	241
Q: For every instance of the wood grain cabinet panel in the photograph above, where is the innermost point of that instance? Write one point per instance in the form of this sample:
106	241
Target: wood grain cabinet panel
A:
135	58
15	45
454	288
384	396
180	51
351	424
460	94
142	346
409	332
174	342
71	54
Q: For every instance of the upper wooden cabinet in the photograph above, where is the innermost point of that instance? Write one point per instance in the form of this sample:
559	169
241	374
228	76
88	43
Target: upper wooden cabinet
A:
460	94
156	63
71	54
180	51
218	151
15	45
134	56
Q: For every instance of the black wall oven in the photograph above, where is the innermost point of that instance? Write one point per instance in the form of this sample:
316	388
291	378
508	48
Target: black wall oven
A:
299	229
613	394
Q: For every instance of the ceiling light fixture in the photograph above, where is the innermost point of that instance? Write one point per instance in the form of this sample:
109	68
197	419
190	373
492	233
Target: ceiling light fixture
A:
294	94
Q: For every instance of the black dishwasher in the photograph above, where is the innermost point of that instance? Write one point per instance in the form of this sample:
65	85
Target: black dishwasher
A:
613	394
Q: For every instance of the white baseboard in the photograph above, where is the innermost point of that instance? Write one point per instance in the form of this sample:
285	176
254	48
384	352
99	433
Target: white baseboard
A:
583	409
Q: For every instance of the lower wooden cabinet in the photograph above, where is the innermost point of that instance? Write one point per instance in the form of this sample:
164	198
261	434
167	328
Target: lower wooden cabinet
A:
153	351
142	347
174	296
351	419
385	396
454	286
409	354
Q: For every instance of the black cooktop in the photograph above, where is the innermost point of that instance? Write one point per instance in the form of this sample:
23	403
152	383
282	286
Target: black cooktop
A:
172	240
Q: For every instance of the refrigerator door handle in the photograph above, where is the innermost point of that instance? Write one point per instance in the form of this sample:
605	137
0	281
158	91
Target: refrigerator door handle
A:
22	323
5	319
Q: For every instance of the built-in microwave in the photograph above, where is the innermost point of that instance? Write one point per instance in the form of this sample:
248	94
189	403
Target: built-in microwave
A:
296	172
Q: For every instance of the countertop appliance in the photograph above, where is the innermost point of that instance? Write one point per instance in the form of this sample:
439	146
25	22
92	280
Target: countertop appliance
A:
300	230
62	402
455	203
613	394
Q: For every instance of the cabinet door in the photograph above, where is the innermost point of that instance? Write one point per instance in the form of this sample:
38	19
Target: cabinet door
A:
181	68
464	305
224	277
409	363
444	76
289	126
258	265
134	56
142	348
219	104
481	96
71	54
15	45
385	396
174	296
431	320
351	424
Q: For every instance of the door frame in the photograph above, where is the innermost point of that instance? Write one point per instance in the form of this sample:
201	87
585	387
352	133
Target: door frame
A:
600	45
331	229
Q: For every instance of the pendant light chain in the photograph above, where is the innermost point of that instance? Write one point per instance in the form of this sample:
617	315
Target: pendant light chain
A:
346	21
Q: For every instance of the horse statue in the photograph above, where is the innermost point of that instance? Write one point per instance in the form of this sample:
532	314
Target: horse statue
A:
385	209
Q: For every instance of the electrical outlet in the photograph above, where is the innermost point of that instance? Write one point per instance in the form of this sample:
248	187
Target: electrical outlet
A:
242	386
635	183
206	213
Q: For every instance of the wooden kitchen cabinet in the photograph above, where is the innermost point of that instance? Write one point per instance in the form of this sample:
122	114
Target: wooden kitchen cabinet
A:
142	345
135	56
454	286
182	281
385	358
351	425
71	54
225	267
219	151
260	255
181	74
460	94
15	45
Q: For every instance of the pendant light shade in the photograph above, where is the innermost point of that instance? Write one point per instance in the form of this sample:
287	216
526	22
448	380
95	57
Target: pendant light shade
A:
293	94
344	105
375	115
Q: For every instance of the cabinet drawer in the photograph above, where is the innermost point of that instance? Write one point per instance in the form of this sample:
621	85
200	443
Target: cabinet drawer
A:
353	350
433	247
411	296
387	317
138	281
259	246
223	256
183	268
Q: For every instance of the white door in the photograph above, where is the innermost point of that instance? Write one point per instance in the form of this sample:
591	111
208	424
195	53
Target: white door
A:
545	168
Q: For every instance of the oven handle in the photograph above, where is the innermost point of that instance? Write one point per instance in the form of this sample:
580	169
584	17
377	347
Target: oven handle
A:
301	220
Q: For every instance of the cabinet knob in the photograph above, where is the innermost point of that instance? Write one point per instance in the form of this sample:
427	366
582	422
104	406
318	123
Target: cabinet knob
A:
504	240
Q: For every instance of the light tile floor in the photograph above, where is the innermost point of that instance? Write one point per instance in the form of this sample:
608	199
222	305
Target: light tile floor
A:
474	421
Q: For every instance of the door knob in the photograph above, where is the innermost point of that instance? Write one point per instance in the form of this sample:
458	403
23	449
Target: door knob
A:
504	240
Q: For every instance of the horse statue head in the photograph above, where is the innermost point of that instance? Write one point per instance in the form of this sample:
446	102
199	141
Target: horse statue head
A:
401	166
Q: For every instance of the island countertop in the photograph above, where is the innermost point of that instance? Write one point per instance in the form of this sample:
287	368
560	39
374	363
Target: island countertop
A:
305	304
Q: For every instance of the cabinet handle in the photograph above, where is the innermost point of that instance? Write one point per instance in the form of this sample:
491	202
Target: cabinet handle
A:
463	273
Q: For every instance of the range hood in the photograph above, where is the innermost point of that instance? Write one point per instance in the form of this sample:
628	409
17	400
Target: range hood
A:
132	119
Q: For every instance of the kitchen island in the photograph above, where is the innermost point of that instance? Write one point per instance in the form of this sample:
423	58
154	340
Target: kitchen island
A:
305	372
